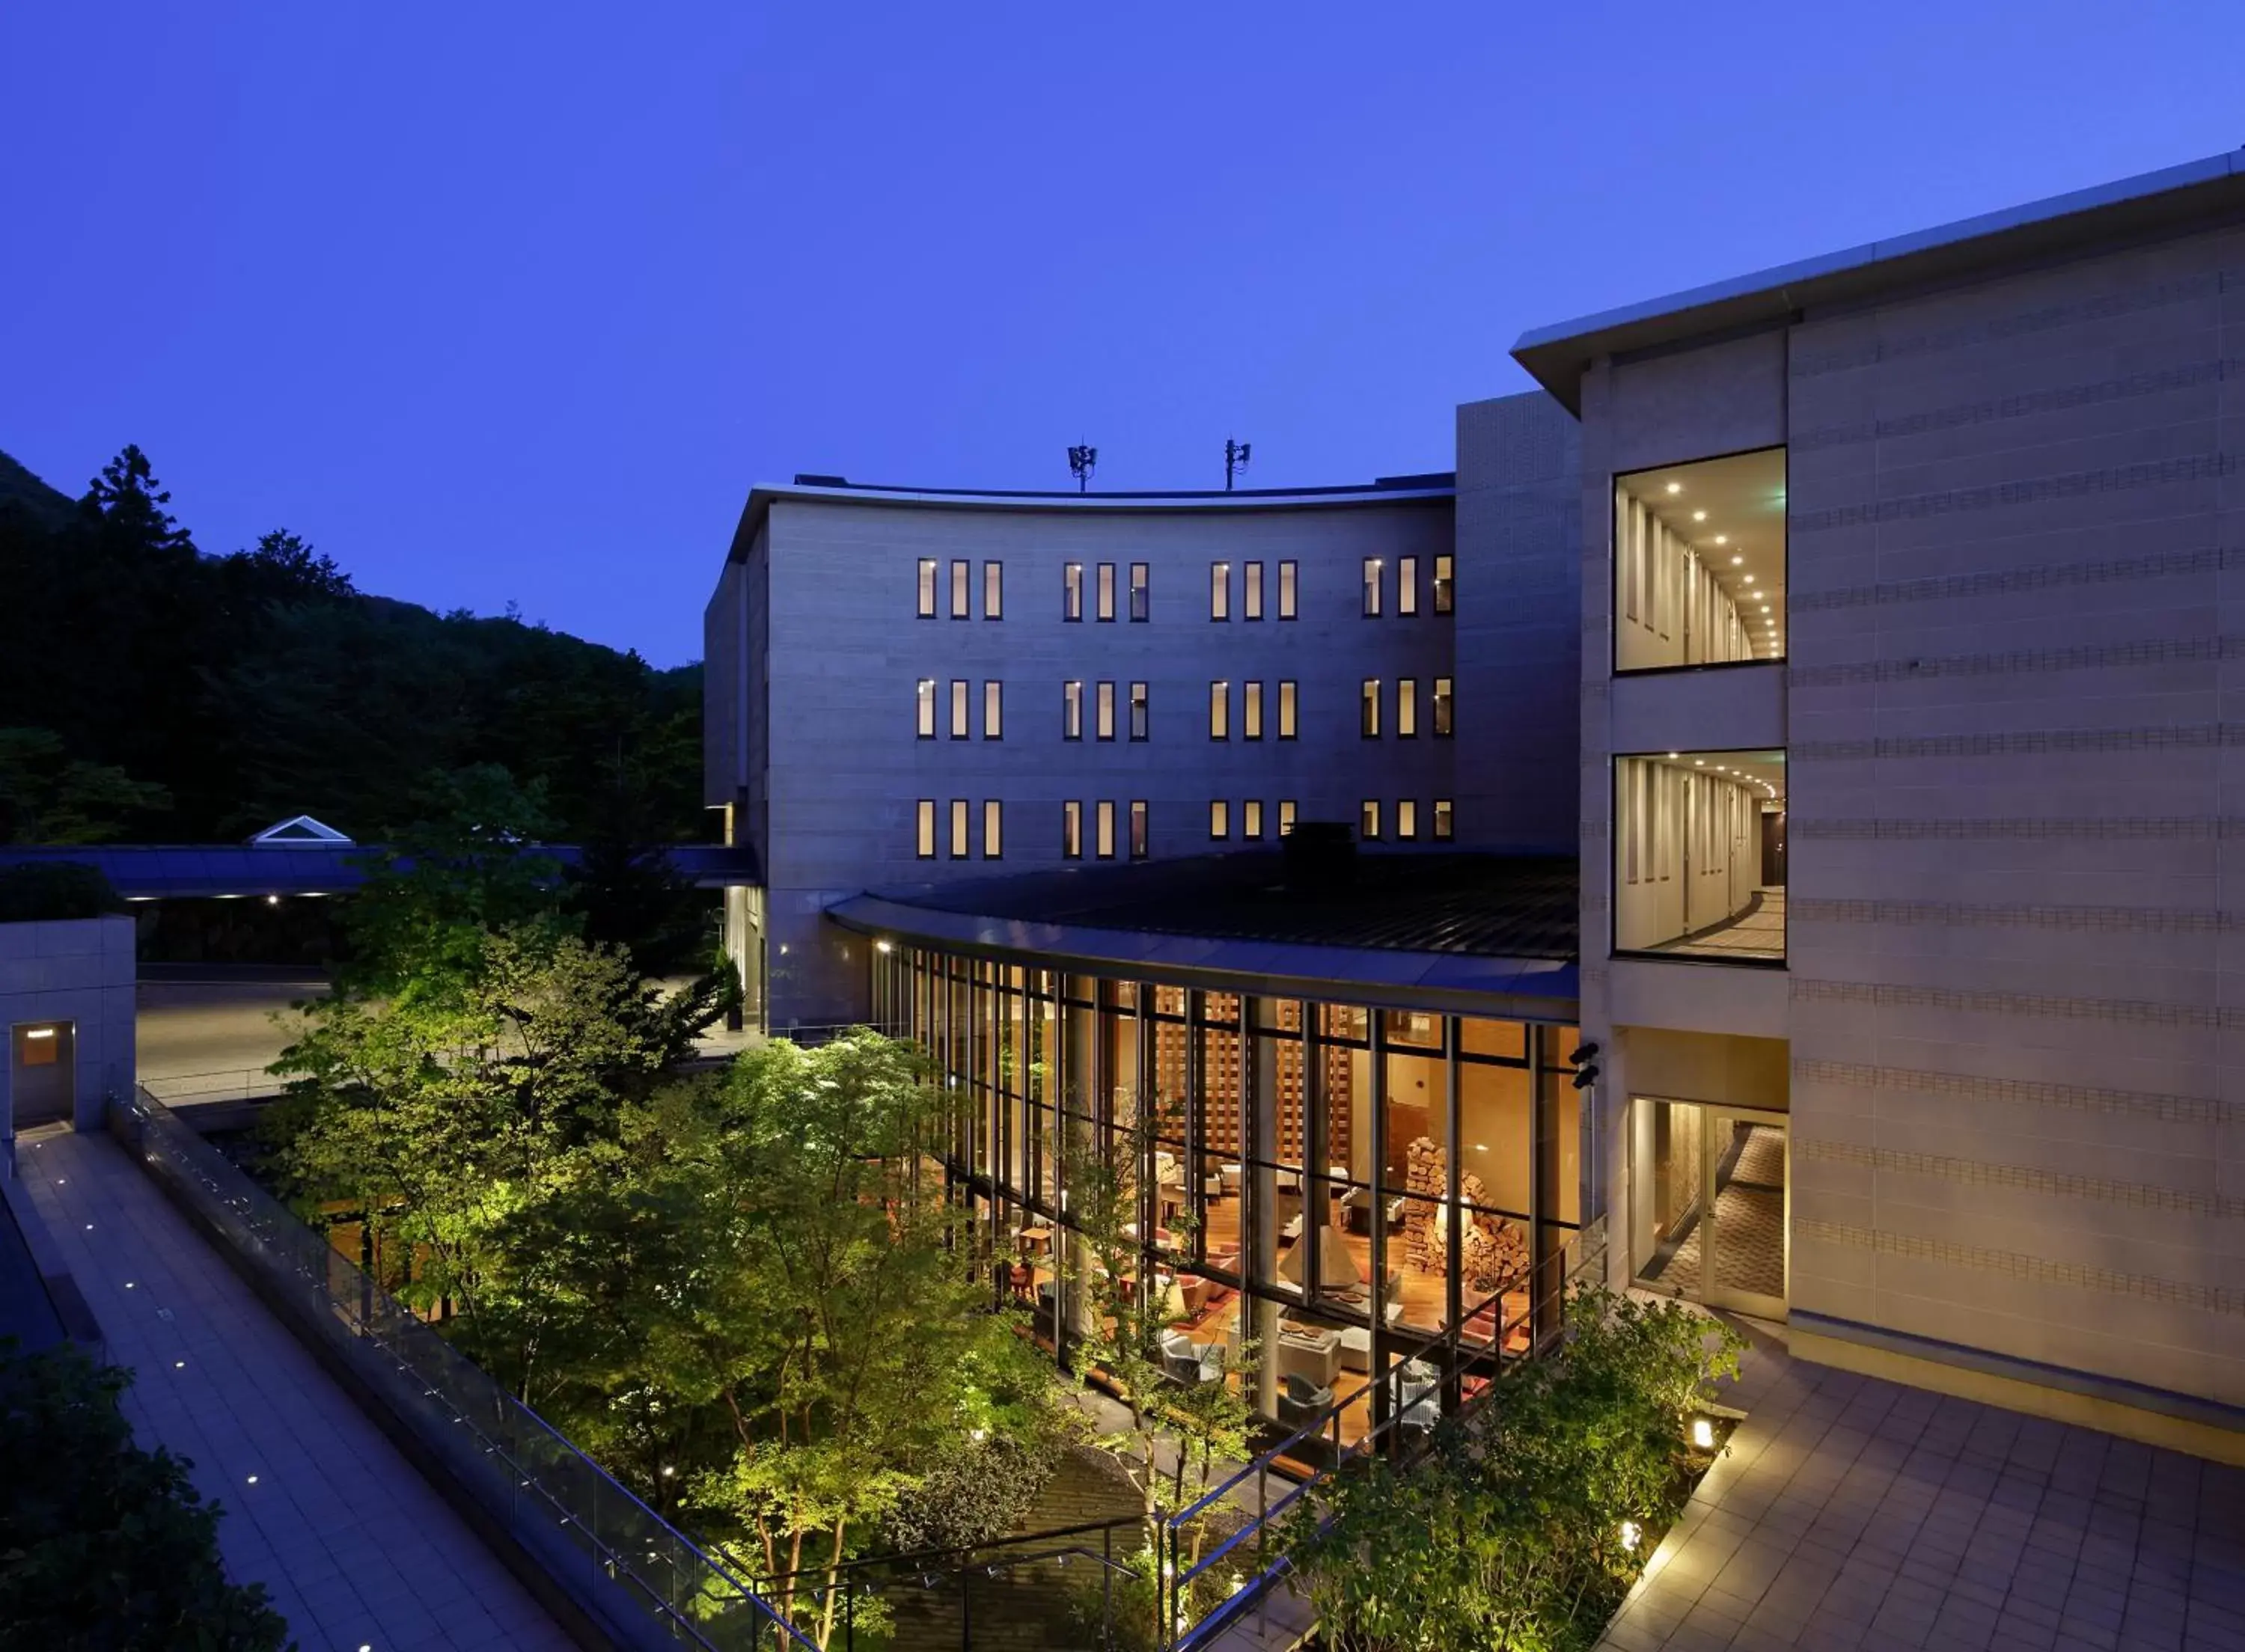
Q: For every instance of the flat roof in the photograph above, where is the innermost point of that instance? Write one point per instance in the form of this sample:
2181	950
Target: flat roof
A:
2146	204
1431	487
1492	933
241	871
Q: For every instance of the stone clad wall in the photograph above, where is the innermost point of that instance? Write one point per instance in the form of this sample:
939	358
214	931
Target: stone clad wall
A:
80	971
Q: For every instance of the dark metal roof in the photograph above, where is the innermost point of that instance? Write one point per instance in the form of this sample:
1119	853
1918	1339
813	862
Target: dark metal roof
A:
1460	904
1424	481
205	871
2149	204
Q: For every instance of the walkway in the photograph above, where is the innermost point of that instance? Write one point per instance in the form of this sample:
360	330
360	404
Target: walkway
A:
1858	1515
353	1547
1758	932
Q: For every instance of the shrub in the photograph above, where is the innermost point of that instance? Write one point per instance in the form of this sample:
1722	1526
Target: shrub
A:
975	1494
102	1545
52	891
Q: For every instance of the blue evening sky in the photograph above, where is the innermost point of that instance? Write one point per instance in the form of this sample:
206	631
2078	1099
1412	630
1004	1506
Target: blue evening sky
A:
513	302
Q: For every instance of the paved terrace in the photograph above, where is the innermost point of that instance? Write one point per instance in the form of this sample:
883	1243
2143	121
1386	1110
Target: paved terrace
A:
355	1548
1858	1515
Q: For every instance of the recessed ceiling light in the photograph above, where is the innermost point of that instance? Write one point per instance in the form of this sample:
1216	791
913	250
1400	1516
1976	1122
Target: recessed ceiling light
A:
1722	539
1764	607
1676	487
1749	578
1699	515
1735	561
1698	763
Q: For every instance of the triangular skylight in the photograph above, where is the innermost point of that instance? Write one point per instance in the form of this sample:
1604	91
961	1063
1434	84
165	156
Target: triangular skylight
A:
301	830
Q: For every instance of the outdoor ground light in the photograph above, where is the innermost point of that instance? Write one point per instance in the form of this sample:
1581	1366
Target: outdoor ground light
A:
1628	1535
1703	1435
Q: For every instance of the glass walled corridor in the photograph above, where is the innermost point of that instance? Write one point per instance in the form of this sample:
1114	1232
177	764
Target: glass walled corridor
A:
1346	1189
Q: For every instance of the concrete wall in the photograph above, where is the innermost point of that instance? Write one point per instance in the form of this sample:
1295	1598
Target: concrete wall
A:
80	971
2013	1004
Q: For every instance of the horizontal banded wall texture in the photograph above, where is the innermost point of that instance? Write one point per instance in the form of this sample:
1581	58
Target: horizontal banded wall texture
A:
2016	733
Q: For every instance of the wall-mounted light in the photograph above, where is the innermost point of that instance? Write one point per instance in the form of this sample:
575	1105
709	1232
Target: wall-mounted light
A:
40	1032
273	900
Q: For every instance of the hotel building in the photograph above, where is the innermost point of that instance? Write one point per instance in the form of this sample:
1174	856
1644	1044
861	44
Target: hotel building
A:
1801	721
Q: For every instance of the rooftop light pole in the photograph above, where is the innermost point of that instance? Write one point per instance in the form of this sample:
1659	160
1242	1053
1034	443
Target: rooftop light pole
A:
1082	461
1235	458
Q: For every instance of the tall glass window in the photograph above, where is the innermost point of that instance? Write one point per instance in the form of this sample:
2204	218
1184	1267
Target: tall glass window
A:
924	710
961	576
1287	579
1219	590
927	587
1285	815
1406	586
1219	711
1071	830
993	591
1141	719
1071	710
1286	700
993	711
1106	591
1251	591
1106	711
925	832
1372	587
1251	711
1220	819
1441	707
1071	590
1445	591
1699	563
959	816
1141	596
1140	838
1250	818
1367	820
992	829
1104	841
1368	703
960	708
1406	708
1441	820
1407	819
1700	863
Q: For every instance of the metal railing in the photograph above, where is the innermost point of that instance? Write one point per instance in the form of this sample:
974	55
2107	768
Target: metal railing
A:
231	1083
635	1576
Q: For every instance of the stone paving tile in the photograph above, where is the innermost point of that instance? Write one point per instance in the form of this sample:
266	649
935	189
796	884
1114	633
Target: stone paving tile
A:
1857	1515
353	1546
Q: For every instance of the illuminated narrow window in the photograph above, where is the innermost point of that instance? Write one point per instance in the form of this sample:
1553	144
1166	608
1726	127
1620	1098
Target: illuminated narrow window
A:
1105	841
926	837
1441	820
1372	587
958	817
993	711
1107	711
1140	720
925	707
1445	591
1219	711
1406	708
1286	582
1441	707
1251	711
1071	590
993	591
1141	595
1369	714
1219	820
1219	590
958	708
994	822
1286	700
961	582
1368	820
1406	818
927	587
1406	586
1285	815
1071	711
1106	591
1139	846
1250	818
1251	591
1071	830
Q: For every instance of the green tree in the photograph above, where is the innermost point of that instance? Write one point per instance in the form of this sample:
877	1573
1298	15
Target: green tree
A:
105	1547
47	796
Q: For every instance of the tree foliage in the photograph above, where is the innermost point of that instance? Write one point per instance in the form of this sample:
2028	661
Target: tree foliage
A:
1524	1524
105	1547
242	689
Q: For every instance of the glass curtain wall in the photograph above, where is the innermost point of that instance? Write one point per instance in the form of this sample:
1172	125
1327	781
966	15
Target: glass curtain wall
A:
1346	1190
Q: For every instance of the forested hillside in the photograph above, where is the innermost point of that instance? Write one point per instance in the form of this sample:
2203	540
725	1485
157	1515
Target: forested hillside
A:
150	692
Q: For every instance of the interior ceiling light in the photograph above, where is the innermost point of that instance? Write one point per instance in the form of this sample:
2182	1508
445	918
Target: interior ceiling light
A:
1722	539
1676	487
1735	561
1749	578
1699	515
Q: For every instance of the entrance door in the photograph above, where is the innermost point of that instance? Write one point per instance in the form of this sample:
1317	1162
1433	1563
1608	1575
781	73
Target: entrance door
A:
1714	1204
1772	850
43	1061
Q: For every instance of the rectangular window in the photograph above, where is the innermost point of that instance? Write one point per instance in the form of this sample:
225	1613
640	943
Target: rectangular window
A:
1106	591
993	591
1219	711
1071	711
1369	720
927	587
926	837
1406	586
1250	818
1372	587
1071	830
959	829
1699	564
1139	841
1250	592
1445	593
1141	595
961	582
925	708
1406	818
1367	821
1107	711
1104	844
1406	708
1441	820
1139	718
1219	820
992	829
1285	815
1071	590
1286	700
993	711
1251	711
1441	707
958	708
1286	581
1219	590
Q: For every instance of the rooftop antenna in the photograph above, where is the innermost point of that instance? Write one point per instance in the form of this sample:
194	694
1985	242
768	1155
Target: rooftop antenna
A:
1082	461
1235	458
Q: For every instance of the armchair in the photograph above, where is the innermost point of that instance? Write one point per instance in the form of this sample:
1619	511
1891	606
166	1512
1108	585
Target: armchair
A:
1301	1402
